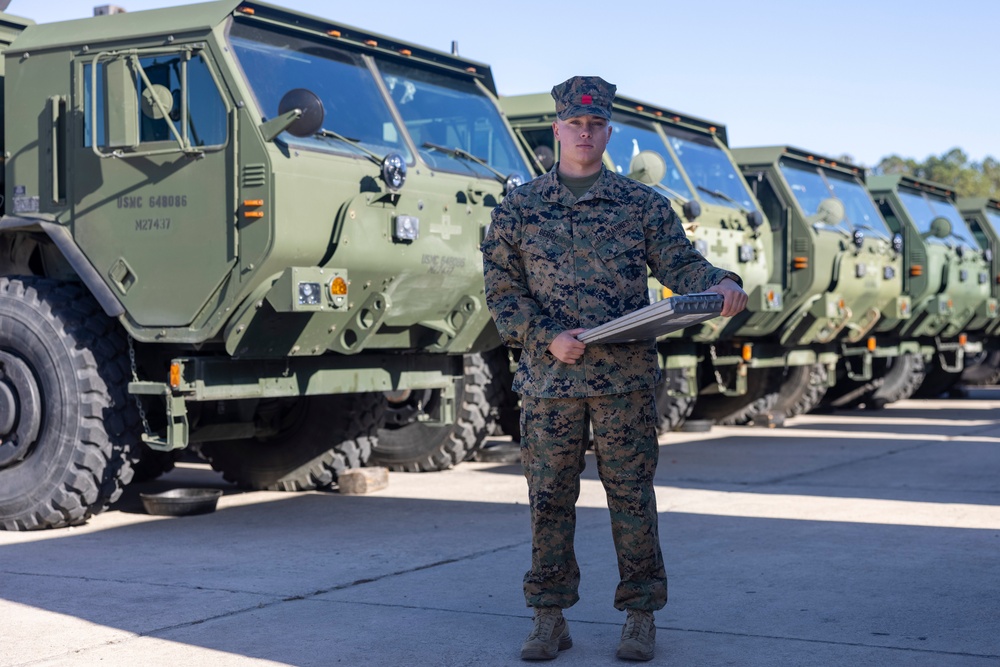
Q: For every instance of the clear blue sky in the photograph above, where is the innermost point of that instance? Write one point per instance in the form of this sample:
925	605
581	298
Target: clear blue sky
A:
864	77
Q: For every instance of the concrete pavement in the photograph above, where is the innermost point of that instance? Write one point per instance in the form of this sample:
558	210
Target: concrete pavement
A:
861	539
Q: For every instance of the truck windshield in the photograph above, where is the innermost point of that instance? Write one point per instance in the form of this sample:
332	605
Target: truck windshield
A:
450	112
629	137
711	170
275	63
811	185
994	219
923	208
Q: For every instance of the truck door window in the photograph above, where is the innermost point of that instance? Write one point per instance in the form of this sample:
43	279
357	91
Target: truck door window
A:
206	109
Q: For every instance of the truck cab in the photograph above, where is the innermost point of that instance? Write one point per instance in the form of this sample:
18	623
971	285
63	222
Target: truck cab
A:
270	223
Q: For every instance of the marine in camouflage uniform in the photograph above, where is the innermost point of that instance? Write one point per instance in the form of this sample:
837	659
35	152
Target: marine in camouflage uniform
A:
552	263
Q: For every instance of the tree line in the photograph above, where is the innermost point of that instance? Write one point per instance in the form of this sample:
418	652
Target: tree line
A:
954	169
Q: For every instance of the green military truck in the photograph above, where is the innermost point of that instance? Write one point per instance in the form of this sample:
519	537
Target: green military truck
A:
840	265
245	230
721	218
947	277
983	217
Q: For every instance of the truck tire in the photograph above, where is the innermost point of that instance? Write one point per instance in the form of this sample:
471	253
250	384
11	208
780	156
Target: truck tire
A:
148	464
802	389
901	380
984	369
67	423
320	437
407	444
506	403
673	411
762	394
937	382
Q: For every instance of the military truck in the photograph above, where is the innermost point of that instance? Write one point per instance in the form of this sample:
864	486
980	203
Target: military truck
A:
840	265
244	230
947	278
983	217
722	219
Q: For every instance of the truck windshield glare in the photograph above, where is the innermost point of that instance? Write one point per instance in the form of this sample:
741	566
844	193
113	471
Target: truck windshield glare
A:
275	63
994	219
451	112
629	138
923	208
711	170
811	185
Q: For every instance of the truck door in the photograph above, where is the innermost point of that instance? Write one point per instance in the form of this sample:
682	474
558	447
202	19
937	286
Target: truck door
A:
152	186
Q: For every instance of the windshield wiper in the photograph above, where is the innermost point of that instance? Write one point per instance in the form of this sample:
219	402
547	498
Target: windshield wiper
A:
354	143
723	196
879	233
670	191
459	153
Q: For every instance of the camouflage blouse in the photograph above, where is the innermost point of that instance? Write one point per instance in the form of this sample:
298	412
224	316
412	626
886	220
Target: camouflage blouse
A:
554	263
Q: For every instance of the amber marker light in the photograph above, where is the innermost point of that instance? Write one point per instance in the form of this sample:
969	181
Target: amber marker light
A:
870	344
175	375
247	10
333	33
338	287
800	263
406	52
371	42
963	339
746	352
916	270
252	204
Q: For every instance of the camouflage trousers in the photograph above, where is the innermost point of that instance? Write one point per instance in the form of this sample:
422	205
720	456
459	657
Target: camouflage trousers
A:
553	444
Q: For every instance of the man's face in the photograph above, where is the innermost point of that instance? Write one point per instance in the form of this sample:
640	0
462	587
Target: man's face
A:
582	139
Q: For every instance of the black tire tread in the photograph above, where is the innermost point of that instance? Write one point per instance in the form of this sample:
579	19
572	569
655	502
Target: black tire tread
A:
109	423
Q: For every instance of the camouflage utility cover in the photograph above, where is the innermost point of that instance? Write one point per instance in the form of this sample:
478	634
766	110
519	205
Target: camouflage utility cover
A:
584	96
554	263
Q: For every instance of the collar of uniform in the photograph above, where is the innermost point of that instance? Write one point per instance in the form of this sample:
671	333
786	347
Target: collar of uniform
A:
555	192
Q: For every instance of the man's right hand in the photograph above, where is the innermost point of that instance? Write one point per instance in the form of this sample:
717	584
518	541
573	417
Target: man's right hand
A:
566	348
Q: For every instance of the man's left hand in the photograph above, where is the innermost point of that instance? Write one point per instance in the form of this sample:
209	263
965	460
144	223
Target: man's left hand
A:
734	298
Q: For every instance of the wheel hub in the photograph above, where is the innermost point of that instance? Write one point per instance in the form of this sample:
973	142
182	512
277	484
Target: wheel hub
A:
20	409
407	407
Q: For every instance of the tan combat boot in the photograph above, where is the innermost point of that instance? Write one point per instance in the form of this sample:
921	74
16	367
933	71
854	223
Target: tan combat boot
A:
638	636
549	636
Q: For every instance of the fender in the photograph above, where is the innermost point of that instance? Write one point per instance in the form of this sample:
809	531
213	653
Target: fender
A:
63	240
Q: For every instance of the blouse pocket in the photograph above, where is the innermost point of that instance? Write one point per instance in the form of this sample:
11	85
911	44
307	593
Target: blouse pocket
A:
546	249
625	253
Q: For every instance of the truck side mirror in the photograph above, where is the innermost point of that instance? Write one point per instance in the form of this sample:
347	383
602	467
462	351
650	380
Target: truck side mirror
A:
940	227
647	167
300	112
830	211
121	104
